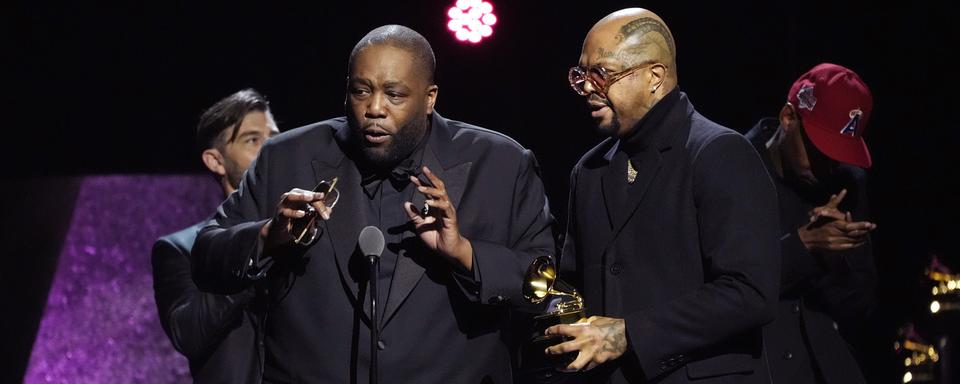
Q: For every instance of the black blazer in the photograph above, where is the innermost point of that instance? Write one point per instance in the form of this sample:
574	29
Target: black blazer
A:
820	295
434	329
214	332
692	266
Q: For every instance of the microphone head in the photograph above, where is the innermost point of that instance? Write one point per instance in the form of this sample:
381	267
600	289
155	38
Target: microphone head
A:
371	241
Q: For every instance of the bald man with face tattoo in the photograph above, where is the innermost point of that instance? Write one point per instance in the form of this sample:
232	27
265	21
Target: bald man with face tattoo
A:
672	232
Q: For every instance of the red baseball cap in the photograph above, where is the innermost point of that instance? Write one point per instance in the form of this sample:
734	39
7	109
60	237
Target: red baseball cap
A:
834	105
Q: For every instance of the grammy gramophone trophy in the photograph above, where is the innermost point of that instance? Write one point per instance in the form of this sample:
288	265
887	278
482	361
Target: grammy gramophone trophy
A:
561	304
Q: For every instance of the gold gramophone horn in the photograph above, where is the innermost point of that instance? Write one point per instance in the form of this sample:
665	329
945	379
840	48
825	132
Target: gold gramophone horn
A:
539	279
541	282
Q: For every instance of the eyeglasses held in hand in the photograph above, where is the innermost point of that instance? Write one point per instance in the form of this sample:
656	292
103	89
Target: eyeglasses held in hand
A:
299	228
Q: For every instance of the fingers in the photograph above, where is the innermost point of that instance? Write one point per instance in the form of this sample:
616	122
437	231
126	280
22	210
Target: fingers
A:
299	203
291	213
830	208
859	226
580	344
858	233
301	195
580	362
443	206
842	243
584	362
436	191
433	178
436	194
565	329
567	347
829	213
433	193
322	209
586	341
414	214
836	199
573	330
416	181
857	230
844	246
835	241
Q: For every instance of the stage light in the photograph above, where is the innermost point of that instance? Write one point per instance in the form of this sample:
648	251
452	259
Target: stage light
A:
471	20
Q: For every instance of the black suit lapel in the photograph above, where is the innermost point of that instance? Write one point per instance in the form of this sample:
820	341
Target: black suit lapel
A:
346	221
647	166
408	272
611	184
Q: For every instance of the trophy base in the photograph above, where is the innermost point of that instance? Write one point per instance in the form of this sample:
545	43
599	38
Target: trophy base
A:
538	367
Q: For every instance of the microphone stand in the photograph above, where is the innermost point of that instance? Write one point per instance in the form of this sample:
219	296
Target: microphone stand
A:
374	324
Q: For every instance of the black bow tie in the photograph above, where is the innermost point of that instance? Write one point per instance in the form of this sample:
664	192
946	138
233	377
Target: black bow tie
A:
399	176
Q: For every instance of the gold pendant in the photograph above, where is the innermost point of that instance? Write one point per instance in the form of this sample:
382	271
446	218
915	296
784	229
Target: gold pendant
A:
631	173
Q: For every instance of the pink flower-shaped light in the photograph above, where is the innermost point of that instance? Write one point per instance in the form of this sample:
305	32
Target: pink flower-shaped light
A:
471	20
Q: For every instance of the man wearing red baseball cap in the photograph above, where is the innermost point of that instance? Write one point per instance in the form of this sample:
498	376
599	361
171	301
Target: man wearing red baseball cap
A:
816	156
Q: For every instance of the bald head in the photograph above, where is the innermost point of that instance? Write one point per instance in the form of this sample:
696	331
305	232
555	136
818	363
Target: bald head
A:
634	36
631	58
404	38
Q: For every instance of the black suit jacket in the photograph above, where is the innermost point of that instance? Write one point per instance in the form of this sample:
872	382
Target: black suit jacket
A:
692	263
819	293
214	332
435	328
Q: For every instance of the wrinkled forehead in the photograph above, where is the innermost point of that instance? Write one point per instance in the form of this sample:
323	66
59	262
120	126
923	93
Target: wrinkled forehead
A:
382	60
387	63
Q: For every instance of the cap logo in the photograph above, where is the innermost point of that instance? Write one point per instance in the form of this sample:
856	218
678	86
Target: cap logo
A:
850	129
806	97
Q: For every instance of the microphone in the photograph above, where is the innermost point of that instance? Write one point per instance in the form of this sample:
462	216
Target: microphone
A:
371	242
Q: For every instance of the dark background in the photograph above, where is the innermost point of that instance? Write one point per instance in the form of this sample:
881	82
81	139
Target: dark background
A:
100	89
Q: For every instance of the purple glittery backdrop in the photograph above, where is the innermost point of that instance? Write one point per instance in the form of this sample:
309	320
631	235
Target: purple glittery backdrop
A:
100	324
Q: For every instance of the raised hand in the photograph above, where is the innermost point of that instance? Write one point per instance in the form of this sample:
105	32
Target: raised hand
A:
438	227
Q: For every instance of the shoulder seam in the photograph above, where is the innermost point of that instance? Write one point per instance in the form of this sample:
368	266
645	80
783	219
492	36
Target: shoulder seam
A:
696	156
481	129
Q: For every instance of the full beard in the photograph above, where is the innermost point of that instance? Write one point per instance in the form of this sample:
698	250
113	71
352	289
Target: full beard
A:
403	143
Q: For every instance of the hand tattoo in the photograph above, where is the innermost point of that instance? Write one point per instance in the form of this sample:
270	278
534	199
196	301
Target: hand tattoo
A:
614	337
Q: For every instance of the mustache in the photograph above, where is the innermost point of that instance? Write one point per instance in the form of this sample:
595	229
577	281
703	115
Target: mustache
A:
597	99
373	124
